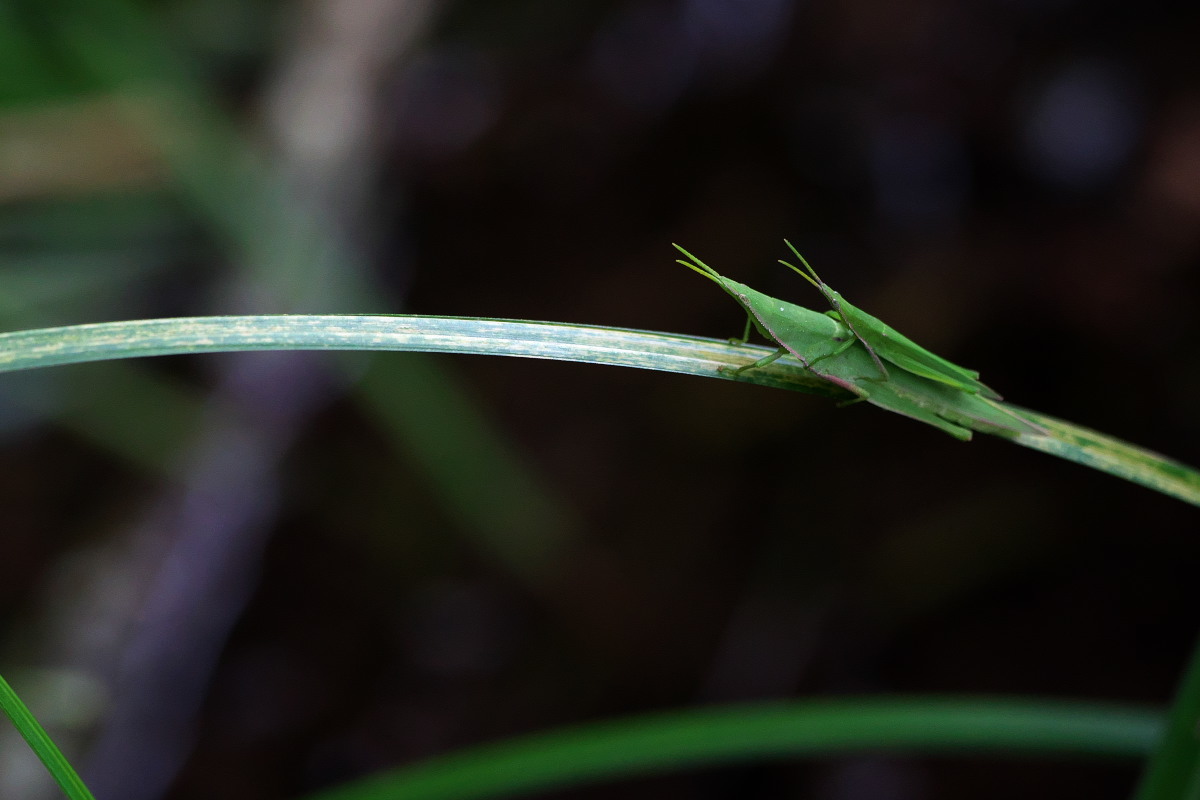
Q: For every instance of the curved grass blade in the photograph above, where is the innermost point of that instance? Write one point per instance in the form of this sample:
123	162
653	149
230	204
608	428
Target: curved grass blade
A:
688	355
709	737
41	744
1107	454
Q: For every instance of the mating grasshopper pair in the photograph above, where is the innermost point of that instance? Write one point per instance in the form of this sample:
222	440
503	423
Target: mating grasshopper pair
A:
848	347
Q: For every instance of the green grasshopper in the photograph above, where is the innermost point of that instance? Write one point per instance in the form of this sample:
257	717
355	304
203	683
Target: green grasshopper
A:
885	342
831	349
810	336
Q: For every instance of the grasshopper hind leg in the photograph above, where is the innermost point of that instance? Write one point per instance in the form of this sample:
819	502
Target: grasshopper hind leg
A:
762	362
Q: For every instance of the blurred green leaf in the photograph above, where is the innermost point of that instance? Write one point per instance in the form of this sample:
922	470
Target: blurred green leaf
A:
710	737
1174	769
41	743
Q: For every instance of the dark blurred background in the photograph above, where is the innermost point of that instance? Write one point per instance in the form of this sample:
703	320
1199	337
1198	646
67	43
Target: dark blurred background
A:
256	575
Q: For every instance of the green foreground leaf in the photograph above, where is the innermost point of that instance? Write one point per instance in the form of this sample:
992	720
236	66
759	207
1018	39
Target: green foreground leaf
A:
1174	769
689	355
714	737
41	744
